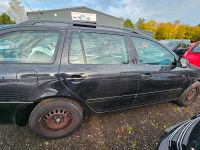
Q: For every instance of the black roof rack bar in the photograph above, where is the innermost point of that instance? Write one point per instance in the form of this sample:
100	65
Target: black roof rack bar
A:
33	22
81	24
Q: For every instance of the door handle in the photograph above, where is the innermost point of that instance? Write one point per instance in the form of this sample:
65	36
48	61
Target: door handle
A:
74	78
128	73
146	76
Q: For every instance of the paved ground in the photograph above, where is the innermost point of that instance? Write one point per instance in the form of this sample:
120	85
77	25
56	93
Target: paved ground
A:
138	128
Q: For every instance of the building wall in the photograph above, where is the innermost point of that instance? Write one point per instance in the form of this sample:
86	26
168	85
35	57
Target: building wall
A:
64	15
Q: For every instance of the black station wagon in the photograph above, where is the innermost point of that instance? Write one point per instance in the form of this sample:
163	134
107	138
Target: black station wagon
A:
52	72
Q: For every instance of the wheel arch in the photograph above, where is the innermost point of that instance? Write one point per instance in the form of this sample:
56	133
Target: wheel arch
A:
22	114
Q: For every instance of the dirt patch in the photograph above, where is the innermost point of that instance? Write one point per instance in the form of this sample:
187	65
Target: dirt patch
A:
138	128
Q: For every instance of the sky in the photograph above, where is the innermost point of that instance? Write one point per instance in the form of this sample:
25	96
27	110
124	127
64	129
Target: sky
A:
159	10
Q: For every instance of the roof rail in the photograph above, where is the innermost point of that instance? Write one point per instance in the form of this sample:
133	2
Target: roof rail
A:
43	22
79	24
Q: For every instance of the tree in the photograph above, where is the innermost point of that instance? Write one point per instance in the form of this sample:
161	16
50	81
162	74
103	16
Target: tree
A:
177	23
140	23
181	31
165	31
150	25
16	11
129	23
193	33
5	19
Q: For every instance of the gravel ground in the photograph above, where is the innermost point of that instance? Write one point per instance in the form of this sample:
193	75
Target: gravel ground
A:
138	128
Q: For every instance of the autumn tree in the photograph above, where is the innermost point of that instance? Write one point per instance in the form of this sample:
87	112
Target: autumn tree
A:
129	23
5	19
140	23
165	31
150	25
193	33
177	23
181	31
169	30
197	34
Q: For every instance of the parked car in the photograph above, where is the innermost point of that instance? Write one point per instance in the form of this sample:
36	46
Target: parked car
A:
193	55
182	136
179	46
52	73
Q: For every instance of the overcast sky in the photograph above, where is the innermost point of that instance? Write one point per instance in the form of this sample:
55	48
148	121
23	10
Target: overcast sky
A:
159	10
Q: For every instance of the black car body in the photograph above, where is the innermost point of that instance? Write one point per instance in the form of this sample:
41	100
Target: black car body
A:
179	46
93	68
182	136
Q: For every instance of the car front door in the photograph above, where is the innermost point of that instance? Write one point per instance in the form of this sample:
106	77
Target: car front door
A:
160	79
96	69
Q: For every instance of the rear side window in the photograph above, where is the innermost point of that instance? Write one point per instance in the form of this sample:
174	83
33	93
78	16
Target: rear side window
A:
152	53
97	48
76	51
28	47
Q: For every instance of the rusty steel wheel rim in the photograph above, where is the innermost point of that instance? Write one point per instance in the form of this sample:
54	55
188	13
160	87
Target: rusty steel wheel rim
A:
56	119
192	93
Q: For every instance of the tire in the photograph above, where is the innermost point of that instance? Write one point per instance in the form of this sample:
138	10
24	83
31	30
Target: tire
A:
55	118
189	95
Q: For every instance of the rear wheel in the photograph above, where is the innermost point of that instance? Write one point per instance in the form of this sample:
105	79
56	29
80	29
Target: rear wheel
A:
56	117
189	95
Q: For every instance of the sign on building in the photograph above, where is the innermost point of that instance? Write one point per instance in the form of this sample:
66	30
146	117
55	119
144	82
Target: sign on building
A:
79	16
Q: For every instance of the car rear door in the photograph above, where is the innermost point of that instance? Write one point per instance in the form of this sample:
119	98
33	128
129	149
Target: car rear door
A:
160	79
97	69
27	62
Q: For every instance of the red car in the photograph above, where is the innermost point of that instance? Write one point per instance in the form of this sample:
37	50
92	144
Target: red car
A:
193	54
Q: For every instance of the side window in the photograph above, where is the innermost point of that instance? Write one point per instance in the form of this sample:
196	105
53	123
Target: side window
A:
28	47
76	55
98	49
196	49
152	53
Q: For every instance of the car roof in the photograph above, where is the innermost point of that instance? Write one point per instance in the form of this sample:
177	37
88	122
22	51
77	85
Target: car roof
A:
65	25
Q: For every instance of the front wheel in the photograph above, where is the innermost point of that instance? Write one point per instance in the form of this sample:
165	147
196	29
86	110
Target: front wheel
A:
55	117
189	95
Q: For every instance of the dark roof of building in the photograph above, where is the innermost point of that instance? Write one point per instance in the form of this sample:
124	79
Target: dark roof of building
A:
72	8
